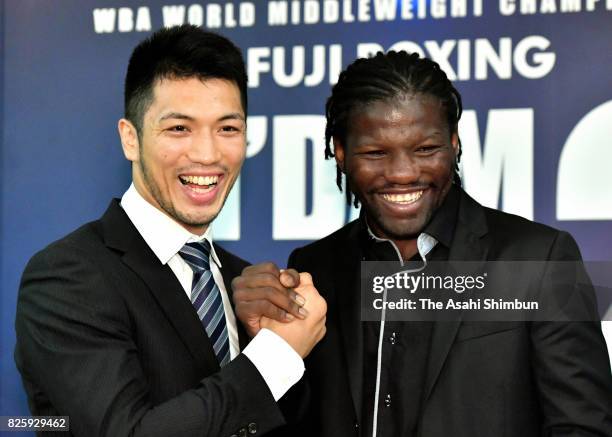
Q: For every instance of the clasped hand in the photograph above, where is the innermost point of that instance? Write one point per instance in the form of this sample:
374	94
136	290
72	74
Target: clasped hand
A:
284	301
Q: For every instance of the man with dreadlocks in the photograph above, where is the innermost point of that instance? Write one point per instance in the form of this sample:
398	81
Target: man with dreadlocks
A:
392	129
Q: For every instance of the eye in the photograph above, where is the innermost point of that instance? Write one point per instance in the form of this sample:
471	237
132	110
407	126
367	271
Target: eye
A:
374	153
428	149
231	129
178	128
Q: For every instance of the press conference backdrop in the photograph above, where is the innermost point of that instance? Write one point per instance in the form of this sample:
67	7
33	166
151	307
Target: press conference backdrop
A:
535	76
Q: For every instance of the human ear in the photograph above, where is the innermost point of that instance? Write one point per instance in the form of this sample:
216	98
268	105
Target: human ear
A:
455	143
129	139
339	153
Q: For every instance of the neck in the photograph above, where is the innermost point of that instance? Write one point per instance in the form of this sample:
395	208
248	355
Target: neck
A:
407	248
196	230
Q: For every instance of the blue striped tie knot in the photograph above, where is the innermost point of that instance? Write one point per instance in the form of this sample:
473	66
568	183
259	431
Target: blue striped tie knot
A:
206	298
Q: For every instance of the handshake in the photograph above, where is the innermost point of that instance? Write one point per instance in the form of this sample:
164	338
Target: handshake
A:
283	301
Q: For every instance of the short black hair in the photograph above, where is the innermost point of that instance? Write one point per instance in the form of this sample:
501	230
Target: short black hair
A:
179	52
384	77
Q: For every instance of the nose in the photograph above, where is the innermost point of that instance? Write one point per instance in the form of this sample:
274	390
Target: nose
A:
402	169
204	149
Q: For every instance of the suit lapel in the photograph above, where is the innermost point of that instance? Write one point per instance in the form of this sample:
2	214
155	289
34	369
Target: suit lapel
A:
348	305
120	234
467	245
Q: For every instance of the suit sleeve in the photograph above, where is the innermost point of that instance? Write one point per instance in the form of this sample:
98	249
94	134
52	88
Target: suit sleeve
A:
76	345
571	363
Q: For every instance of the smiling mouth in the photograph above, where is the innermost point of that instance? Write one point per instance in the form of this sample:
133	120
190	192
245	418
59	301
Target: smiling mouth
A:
403	199
199	184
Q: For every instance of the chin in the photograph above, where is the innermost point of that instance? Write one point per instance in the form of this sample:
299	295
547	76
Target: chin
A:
403	231
200	219
193	218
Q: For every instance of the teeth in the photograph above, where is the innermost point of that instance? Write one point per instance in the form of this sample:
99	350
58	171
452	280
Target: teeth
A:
403	198
201	190
200	180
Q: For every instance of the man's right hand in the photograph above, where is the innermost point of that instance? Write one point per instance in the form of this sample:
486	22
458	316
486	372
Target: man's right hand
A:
265	290
303	335
263	294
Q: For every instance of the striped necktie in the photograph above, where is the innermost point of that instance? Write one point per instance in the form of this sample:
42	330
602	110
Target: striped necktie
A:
206	298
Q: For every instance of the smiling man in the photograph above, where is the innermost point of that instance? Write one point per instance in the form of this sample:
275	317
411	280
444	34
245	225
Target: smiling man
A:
194	151
400	165
393	123
127	325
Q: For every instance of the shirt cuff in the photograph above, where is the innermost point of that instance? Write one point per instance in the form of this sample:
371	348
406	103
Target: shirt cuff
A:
279	365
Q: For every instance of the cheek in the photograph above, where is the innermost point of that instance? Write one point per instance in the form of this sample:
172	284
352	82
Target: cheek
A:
167	162
364	179
234	154
164	154
364	170
440	167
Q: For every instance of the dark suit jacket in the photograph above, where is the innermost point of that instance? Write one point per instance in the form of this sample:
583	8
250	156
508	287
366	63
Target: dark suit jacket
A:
494	379
106	336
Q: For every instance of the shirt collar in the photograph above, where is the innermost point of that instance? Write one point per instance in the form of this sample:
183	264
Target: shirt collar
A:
162	234
425	242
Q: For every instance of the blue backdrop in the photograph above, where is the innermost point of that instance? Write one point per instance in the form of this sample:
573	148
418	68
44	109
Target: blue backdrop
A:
537	131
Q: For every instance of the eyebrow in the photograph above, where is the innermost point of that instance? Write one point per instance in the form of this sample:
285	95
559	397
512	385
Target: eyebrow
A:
232	116
180	116
433	134
176	115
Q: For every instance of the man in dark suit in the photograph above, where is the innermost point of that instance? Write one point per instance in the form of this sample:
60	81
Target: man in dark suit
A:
126	325
393	120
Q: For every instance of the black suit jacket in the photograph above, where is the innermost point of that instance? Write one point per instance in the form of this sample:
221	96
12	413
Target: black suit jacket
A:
494	379
106	336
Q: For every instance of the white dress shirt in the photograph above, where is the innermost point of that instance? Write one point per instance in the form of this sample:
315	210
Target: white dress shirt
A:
277	362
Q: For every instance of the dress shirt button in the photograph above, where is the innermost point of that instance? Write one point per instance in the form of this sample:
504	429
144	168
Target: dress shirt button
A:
388	400
242	432
252	428
393	338
356	425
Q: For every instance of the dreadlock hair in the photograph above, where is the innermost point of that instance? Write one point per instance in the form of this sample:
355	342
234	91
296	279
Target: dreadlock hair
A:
386	76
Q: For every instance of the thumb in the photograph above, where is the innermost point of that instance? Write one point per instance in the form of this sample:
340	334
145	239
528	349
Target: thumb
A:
305	278
289	278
